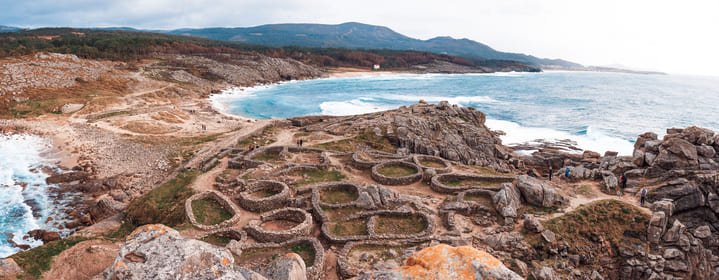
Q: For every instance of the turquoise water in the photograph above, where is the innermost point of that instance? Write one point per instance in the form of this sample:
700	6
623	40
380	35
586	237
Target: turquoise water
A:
599	111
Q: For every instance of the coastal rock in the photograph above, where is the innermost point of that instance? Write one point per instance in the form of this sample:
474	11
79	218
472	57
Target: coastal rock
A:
657	225
442	261
449	131
539	193
44	235
702	232
532	224
544	273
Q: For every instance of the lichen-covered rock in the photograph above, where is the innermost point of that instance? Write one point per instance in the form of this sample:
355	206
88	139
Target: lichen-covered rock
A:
159	252
507	201
447	262
288	267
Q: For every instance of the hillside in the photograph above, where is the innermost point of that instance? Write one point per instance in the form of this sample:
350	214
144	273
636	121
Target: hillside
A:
361	36
7	29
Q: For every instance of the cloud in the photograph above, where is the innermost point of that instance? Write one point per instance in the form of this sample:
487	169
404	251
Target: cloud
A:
664	35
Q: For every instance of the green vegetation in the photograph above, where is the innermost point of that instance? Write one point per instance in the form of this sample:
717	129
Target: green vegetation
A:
350	228
613	220
400	225
396	171
318	176
218	240
306	251
210	212
268	157
163	205
38	260
337	196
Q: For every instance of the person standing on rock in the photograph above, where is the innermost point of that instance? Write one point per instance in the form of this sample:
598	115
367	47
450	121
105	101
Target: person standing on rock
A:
642	196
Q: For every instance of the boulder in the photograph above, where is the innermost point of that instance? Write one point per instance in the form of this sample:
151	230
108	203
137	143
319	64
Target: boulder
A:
544	273
657	225
443	262
702	232
664	205
539	193
159	252
532	224
44	235
609	181
673	233
507	201
288	267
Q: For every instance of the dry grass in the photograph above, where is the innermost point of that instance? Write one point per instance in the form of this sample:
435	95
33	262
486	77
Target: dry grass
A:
350	228
338	196
396	171
400	225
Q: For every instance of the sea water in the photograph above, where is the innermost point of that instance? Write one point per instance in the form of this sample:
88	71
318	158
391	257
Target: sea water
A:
598	111
26	201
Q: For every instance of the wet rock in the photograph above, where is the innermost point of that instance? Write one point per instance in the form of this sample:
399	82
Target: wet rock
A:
44	235
67	177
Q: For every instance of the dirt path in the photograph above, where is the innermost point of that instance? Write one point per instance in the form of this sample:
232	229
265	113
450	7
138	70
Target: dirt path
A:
206	181
228	141
594	193
284	138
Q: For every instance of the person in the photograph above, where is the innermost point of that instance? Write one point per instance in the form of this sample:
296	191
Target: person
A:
642	196
567	172
302	142
624	181
550	173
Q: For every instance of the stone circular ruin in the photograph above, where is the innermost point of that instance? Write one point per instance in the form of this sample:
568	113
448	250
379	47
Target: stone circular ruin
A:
381	224
264	195
231	233
399	180
451	183
314	268
367	159
221	200
350	265
301	225
440	165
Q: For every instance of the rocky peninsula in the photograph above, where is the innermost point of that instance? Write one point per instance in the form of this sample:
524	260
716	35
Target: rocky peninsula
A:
174	189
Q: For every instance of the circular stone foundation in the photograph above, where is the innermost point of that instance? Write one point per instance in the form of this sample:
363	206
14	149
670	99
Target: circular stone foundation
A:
453	183
223	202
225	233
440	165
395	173
368	159
300	218
309	248
264	196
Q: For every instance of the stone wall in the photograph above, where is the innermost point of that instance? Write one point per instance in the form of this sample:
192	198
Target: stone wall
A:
396	181
278	200
440	187
222	200
418	159
313	272
304	220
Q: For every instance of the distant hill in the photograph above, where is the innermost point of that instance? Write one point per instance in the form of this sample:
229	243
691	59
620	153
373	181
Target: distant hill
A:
8	29
354	35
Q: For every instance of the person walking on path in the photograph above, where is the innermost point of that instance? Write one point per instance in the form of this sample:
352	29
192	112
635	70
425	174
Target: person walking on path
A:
642	196
302	142
622	183
550	173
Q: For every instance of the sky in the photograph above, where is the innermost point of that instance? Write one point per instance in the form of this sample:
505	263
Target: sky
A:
670	36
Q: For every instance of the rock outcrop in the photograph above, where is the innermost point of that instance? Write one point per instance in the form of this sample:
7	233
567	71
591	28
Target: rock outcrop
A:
449	131
691	148
159	252
447	262
539	193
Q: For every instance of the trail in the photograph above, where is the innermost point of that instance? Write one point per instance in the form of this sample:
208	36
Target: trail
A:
597	195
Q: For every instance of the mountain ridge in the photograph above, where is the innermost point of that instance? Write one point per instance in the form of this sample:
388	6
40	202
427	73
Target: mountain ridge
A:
354	35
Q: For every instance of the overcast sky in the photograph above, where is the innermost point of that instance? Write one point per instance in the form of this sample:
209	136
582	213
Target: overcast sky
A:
670	36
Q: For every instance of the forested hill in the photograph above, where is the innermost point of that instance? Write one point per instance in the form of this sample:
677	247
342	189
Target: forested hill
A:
361	36
132	45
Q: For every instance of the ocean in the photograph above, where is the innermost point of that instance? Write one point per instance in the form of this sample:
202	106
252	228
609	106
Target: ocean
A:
26	201
596	110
